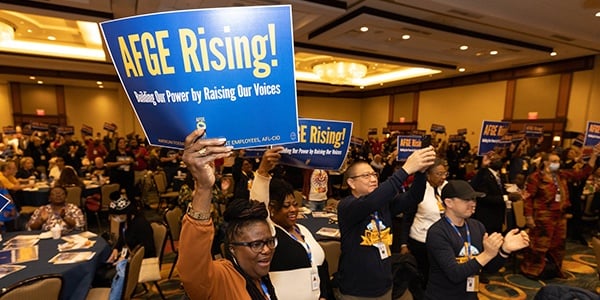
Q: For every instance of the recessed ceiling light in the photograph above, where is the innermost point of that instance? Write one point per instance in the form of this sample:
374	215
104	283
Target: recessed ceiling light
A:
598	14
364	29
101	86
51	38
461	69
40	82
32	77
493	52
406	36
463	47
29	31
362	87
553	53
99	82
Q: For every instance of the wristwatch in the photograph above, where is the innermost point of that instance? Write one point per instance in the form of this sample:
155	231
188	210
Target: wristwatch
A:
197	215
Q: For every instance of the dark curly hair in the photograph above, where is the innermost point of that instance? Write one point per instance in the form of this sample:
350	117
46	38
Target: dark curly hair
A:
279	189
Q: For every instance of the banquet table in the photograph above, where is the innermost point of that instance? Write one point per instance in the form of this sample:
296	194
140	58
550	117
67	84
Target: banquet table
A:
77	277
314	224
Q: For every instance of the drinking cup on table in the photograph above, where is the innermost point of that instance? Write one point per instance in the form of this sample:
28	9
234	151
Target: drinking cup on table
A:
55	232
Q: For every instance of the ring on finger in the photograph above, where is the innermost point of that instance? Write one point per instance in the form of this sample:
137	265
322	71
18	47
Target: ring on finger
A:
202	152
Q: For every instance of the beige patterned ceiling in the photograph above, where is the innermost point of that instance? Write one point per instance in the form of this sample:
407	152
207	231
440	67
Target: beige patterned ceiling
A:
522	33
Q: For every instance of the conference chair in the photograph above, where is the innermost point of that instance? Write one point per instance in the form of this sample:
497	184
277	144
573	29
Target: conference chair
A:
164	194
132	273
105	192
173	220
50	284
150	271
332	249
74	195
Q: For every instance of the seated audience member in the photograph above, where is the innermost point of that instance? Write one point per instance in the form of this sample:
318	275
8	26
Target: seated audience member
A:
66	215
365	220
8	170
5	152
58	164
459	247
134	230
98	169
68	178
249	245
26	169
297	269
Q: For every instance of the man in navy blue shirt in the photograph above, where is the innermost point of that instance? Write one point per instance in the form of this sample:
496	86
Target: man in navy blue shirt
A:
365	219
459	247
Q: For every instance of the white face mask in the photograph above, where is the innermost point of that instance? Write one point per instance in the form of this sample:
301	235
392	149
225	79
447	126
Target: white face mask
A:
119	219
554	166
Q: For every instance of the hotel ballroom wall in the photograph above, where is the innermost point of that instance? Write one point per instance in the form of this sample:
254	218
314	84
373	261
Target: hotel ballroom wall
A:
456	107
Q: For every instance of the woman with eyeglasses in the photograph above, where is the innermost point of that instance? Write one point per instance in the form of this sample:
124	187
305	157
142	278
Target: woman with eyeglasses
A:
365	220
419	217
249	245
297	270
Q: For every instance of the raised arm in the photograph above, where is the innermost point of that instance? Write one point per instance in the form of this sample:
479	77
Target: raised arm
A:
195	263
260	186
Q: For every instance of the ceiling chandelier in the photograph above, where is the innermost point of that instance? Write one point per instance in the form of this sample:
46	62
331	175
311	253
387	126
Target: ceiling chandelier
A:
340	72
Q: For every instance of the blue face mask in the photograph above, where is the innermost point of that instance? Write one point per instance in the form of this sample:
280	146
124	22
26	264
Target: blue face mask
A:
554	166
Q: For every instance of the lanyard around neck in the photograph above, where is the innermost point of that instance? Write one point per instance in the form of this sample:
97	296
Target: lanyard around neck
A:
467	243
305	244
265	290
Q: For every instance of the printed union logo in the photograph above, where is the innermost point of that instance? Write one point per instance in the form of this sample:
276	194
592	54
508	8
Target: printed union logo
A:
293	135
200	123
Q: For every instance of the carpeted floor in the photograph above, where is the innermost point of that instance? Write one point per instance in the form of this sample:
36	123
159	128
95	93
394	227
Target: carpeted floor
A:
579	266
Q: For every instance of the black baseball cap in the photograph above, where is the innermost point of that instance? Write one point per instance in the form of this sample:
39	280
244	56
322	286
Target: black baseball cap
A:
460	189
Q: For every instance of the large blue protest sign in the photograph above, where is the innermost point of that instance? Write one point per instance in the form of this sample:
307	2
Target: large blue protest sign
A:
491	135
323	144
407	144
228	70
592	134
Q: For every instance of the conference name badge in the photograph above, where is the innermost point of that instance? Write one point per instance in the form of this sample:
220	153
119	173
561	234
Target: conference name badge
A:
380	239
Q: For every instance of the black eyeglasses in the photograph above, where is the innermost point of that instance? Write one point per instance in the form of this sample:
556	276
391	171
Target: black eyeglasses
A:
366	176
258	246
